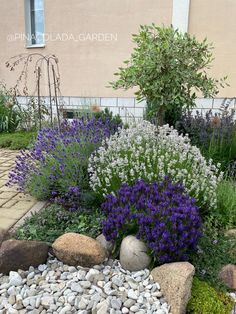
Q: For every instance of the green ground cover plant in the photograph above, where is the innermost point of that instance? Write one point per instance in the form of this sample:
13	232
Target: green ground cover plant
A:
206	300
53	221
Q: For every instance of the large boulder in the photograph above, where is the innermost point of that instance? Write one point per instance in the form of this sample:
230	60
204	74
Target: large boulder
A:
175	280
133	254
77	249
228	276
17	254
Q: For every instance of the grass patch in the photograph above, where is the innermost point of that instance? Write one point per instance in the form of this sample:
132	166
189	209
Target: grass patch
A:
54	221
17	140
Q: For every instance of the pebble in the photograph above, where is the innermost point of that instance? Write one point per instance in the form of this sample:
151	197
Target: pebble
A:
15	279
132	294
57	288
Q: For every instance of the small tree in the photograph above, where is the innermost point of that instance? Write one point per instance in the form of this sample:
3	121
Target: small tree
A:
169	68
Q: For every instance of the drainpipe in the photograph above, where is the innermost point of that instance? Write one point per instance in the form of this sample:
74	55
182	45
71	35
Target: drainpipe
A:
180	15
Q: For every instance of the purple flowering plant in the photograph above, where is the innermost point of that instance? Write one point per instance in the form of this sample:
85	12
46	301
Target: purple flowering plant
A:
55	167
214	134
160	214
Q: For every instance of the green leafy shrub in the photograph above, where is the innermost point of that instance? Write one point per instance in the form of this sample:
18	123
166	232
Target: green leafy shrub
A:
168	67
206	300
213	252
53	221
225	211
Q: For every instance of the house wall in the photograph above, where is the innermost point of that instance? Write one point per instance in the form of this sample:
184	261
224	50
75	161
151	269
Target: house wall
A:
216	21
87	65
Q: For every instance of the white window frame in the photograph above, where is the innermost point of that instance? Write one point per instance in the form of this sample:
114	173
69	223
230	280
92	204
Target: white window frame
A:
28	31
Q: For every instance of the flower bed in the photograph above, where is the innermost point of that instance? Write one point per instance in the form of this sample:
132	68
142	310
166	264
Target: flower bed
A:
132	180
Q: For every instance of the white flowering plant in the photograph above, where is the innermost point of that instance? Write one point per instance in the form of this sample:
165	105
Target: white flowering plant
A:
143	151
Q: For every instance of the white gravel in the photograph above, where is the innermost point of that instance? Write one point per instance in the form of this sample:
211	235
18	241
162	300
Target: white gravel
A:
58	288
233	296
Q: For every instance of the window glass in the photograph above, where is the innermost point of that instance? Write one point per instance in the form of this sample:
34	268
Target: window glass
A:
37	21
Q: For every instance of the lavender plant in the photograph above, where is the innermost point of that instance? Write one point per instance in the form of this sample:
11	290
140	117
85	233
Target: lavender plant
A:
56	166
143	151
161	214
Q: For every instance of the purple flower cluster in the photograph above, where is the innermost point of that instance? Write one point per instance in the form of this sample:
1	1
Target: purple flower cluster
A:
213	134
161	215
56	166
69	200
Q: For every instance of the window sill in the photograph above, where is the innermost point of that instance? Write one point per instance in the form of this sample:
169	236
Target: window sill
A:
35	46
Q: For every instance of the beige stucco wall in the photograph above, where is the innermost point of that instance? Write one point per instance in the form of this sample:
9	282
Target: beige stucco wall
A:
87	66
216	20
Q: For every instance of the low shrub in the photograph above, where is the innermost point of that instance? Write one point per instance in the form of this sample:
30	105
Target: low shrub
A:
56	166
144	152
53	221
206	300
160	214
214	250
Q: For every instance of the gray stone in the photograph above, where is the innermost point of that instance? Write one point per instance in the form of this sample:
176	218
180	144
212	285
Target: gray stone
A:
46	301
134	308
129	302
116	304
133	254
76	287
103	307
132	294
108	246
85	284
65	309
15	279
91	275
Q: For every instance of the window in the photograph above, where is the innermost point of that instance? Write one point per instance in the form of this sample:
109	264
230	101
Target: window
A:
34	10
